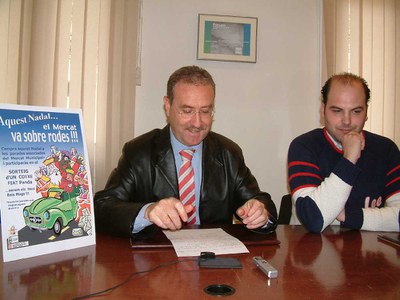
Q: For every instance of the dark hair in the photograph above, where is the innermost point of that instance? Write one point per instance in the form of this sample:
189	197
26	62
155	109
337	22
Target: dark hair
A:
345	79
189	74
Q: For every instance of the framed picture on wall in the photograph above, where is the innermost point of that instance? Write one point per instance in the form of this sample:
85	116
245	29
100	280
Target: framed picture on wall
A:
227	38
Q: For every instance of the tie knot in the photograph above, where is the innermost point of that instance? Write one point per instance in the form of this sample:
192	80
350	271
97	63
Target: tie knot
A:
187	154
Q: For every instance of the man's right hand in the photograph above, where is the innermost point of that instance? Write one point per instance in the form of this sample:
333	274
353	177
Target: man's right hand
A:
353	143
168	213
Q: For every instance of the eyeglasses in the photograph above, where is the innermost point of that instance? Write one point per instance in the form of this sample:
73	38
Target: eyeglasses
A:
188	113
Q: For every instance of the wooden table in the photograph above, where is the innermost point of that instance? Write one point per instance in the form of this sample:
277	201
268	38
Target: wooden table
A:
333	265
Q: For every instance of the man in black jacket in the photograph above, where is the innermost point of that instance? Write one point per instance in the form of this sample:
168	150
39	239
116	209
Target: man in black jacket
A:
144	189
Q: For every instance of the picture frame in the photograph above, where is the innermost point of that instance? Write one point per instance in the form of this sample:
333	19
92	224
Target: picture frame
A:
227	38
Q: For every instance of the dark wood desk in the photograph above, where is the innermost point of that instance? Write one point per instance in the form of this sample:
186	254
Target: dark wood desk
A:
332	265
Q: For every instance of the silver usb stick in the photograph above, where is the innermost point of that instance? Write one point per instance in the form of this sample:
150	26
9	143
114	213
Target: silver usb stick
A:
266	267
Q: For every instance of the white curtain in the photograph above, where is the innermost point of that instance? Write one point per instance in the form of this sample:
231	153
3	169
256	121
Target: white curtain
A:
363	37
74	54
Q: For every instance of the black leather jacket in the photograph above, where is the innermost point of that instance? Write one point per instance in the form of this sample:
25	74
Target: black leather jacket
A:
146	173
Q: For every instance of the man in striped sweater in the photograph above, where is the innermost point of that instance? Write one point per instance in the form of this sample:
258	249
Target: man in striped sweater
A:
342	173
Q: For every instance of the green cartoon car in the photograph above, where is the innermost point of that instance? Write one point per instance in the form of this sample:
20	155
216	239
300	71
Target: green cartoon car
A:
52	212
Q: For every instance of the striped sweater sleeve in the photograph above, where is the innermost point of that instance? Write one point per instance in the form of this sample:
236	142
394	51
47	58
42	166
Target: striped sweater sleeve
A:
317	200
386	218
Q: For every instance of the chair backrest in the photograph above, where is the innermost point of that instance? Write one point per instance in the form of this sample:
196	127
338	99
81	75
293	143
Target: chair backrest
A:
285	210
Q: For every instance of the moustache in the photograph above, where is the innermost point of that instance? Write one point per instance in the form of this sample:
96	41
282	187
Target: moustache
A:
196	129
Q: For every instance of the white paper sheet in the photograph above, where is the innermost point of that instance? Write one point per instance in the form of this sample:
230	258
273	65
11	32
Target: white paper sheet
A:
191	242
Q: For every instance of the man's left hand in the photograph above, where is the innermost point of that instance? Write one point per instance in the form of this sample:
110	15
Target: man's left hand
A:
367	204
342	216
253	214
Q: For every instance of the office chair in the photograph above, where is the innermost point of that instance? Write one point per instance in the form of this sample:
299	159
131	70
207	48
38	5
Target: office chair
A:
285	210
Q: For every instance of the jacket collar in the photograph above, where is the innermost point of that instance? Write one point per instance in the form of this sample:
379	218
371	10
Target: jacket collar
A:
212	160
163	158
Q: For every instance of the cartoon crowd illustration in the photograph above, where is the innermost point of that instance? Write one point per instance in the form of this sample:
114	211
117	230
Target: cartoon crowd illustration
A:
66	169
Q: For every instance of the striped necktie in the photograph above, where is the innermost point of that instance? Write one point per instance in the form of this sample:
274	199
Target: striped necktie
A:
186	183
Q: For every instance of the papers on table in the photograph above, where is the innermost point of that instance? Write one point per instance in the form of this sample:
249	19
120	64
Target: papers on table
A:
191	242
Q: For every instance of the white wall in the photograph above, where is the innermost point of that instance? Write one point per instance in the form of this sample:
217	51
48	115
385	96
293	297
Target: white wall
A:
261	106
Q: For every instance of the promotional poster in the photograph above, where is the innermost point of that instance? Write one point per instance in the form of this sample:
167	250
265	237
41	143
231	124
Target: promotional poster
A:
46	197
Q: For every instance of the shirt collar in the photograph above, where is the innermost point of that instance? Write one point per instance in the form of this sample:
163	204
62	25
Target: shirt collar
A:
336	143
